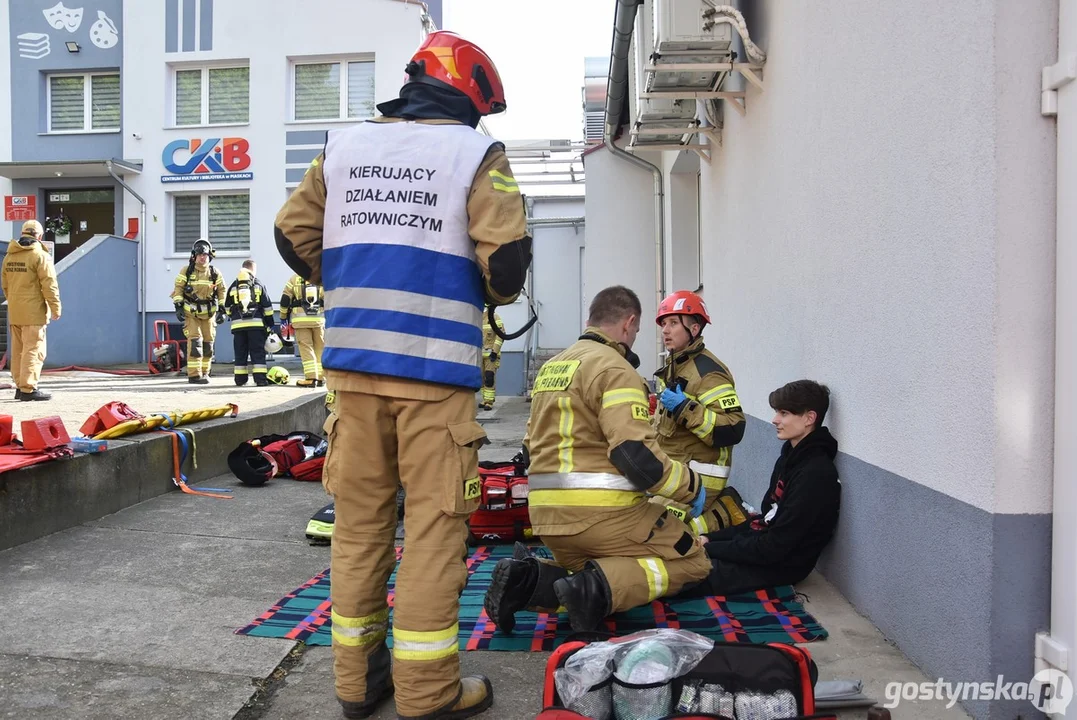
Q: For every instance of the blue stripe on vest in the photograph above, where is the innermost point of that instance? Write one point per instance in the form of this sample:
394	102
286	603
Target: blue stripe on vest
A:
406	323
405	366
402	267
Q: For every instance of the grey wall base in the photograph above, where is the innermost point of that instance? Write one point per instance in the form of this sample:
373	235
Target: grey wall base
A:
960	590
53	496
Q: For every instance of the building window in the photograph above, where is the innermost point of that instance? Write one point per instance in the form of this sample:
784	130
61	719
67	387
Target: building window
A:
223	218
341	90
213	96
88	102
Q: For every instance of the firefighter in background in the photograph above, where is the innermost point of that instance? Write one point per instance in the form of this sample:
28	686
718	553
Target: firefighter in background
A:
491	359
199	300
594	458
303	305
404	373
33	297
247	303
698	418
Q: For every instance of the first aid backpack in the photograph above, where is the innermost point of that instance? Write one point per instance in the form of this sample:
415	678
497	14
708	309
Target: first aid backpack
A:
502	515
733	681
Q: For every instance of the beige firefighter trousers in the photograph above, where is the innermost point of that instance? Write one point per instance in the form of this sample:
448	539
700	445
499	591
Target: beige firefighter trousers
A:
27	355
721	510
644	552
431	448
200	334
489	380
311	342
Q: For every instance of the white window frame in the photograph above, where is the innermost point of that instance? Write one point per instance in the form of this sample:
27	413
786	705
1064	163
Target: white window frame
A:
87	102
343	61
204	100
203	230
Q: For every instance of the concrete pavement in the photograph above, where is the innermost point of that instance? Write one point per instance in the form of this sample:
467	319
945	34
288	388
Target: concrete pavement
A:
133	615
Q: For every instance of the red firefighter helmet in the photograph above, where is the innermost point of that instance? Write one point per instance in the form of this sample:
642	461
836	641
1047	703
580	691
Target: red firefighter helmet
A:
446	59
682	302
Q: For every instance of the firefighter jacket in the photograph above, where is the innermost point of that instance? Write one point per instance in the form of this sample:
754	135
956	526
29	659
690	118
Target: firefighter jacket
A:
302	304
491	341
592	447
247	303
201	291
704	429
411	228
29	283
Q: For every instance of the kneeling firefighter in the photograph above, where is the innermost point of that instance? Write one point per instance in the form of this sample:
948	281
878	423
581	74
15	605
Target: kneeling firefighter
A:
303	306
247	303
403	351
699	418
199	298
594	458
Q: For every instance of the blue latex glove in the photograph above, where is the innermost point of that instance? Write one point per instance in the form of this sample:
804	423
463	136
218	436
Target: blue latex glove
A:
698	503
672	399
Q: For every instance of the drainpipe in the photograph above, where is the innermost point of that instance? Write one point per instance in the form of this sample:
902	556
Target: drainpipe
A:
141	258
616	93
1058	648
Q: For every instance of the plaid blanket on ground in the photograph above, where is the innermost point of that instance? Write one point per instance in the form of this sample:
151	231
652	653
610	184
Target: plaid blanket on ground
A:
771	615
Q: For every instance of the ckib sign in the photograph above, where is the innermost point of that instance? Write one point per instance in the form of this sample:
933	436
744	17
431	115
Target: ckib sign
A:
20	207
213	159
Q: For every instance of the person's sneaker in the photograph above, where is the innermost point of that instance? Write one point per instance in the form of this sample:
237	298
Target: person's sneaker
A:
357	710
476	696
35	395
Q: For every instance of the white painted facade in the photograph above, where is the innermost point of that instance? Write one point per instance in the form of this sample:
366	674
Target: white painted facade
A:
881	219
269	36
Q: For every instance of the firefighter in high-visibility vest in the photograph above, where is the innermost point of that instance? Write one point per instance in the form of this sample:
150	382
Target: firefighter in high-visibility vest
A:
594	458
412	223
698	416
491	359
302	305
199	300
247	303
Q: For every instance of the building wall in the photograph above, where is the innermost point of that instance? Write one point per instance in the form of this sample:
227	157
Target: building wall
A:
890	232
239	31
97	327
5	98
557	272
29	68
619	208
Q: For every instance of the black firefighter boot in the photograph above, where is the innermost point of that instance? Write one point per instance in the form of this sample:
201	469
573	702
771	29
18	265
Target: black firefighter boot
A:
518	584
586	596
379	681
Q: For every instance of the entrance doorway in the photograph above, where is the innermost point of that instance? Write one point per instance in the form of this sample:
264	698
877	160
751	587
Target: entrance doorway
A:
92	211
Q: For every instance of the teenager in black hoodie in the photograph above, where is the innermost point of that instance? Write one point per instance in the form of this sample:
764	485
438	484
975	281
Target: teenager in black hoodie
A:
781	545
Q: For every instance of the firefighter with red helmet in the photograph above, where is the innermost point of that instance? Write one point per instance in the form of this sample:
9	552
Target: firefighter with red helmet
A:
411	223
698	416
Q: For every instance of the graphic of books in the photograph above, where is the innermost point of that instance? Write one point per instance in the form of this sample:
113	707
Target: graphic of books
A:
33	45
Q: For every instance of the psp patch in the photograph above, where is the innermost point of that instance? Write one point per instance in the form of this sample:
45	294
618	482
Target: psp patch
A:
472	488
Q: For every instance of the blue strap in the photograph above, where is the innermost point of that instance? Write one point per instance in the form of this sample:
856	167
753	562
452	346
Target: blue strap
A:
183	457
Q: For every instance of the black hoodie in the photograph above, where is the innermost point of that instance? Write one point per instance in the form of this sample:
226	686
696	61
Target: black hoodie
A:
802	502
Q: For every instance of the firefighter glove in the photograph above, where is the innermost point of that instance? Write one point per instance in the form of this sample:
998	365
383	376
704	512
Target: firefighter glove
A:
493	356
180	314
673	399
220	316
698	503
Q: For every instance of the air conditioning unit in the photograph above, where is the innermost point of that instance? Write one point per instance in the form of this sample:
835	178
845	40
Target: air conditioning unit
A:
657	110
679	25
